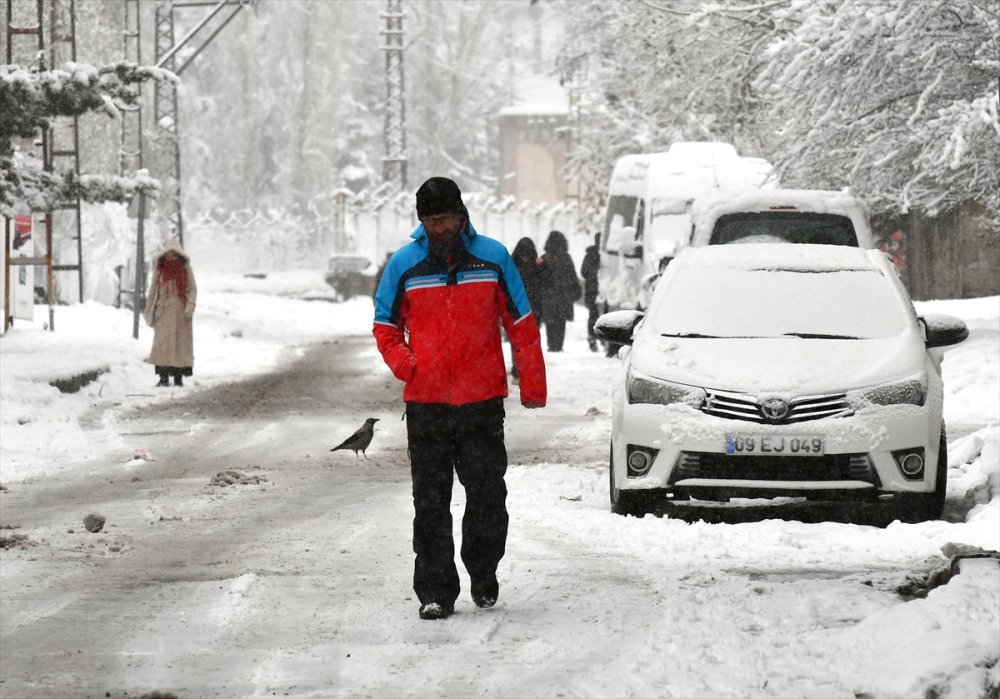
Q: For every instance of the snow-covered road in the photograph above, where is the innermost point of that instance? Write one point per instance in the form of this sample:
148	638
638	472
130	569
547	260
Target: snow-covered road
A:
295	579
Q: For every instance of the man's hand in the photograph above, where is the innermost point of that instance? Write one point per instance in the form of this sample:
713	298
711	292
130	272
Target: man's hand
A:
530	405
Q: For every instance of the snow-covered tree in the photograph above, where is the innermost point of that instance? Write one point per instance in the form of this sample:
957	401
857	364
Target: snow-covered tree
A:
29	100
650	73
898	99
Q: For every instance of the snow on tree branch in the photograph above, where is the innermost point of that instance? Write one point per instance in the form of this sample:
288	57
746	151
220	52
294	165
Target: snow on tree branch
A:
25	187
896	99
30	99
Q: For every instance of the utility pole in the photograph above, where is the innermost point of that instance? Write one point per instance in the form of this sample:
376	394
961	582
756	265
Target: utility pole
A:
131	159
394	126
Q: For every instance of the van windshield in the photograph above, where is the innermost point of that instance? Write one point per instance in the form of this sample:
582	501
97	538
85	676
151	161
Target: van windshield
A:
784	226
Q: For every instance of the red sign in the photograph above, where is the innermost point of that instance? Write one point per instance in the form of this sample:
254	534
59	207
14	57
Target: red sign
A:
22	230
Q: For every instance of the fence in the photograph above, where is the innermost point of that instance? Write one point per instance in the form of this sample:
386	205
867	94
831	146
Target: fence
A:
367	224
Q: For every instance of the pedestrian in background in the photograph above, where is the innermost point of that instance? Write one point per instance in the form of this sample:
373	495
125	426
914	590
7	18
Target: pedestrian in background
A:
529	267
169	310
560	289
588	271
438	312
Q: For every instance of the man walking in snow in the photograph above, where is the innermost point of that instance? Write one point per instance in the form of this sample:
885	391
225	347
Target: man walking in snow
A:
438	311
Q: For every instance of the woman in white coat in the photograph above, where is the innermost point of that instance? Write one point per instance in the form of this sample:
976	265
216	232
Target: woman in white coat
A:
170	306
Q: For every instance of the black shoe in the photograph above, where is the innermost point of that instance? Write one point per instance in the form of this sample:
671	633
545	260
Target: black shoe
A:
164	381
436	610
593	345
178	381
485	594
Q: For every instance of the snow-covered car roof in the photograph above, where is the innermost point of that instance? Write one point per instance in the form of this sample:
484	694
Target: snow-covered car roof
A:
804	257
708	209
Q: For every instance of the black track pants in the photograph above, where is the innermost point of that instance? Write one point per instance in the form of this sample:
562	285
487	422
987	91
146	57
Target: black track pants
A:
468	440
555	334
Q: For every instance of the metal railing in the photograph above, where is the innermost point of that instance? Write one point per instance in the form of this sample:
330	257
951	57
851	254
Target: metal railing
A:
367	223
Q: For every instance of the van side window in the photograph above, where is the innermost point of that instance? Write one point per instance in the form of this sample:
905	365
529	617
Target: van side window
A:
620	209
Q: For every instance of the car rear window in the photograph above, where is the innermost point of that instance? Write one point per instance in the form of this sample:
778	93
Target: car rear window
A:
726	302
787	226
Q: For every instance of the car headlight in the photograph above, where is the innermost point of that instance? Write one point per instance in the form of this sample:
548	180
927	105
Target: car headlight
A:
909	391
643	389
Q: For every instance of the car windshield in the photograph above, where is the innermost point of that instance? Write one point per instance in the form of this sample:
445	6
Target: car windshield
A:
787	226
726	302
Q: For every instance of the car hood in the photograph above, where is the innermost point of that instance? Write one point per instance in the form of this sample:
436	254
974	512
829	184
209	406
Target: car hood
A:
796	365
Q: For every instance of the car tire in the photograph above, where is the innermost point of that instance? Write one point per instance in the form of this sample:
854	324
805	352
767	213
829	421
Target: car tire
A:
636	503
928	506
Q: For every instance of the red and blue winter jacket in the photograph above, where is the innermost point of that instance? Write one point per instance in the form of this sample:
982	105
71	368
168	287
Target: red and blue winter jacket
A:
437	324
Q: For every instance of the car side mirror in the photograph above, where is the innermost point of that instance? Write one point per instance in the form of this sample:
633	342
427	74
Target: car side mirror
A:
616	327
942	331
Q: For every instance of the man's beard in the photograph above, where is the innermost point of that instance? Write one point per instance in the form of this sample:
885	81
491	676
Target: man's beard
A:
443	246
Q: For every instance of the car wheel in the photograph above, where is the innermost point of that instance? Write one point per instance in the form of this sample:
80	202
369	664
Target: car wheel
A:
925	506
628	502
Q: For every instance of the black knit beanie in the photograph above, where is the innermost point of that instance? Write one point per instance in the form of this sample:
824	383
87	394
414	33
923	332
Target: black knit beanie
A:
439	195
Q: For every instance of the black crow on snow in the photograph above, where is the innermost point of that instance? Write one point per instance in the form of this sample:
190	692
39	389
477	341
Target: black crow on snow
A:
360	440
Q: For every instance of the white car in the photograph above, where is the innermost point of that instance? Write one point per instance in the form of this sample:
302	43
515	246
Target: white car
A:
781	215
775	370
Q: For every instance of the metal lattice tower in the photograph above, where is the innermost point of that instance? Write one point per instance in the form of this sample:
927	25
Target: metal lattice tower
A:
64	134
394	129
167	140
60	140
130	154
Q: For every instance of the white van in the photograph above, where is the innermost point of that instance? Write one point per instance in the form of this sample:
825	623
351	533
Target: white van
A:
647	217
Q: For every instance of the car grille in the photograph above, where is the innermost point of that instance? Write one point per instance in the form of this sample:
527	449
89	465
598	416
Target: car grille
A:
740	406
832	467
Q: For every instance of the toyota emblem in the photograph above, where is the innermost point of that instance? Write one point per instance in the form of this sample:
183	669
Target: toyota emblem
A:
774	410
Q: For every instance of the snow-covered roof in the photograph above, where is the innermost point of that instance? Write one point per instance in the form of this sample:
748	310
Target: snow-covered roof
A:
801	257
817	200
538	95
688	169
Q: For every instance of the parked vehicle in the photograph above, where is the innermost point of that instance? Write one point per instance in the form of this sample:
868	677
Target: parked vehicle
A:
647	216
350	275
782	216
774	370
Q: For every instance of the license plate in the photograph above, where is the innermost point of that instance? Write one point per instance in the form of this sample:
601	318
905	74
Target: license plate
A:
774	445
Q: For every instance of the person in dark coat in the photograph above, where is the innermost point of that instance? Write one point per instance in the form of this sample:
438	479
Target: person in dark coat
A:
560	289
529	265
588	270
